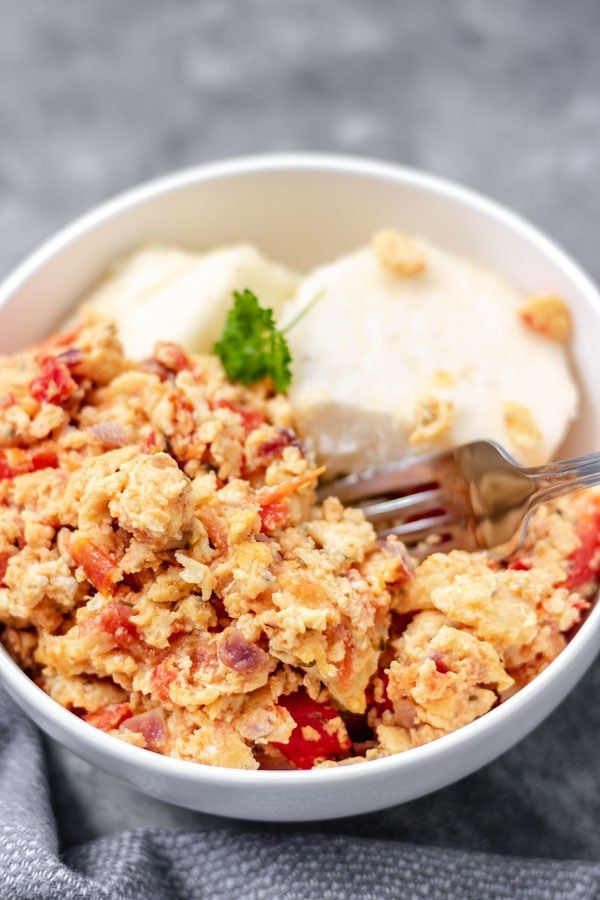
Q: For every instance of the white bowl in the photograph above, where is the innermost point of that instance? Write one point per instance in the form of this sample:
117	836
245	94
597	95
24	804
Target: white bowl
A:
304	210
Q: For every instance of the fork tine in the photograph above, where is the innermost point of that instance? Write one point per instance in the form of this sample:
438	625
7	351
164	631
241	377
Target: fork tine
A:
415	531
413	505
398	477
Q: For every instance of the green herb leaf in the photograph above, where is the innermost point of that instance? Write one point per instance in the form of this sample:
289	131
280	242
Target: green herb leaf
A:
251	348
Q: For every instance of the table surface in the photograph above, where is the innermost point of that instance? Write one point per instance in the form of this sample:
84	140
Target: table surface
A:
501	96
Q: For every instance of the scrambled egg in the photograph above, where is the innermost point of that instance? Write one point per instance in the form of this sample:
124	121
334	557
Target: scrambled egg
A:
166	575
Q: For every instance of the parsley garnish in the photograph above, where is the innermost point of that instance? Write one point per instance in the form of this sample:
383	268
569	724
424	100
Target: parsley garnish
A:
251	346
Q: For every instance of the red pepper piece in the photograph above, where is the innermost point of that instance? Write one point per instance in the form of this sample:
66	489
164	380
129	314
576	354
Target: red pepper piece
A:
163	675
251	419
98	566
584	563
519	565
4	558
172	356
273	448
54	384
21	462
109	717
273	516
440	663
115	620
308	713
6	470
44	459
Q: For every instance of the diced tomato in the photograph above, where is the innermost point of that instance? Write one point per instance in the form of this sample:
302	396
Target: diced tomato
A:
115	620
6	470
151	725
19	462
440	663
519	565
98	566
584	563
179	359
6	401
275	447
308	713
274	516
44	459
251	419
109	717
4	558
54	384
172	356
13	462
163	675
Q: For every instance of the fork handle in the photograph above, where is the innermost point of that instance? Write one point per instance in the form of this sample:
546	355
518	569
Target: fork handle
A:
575	465
557	479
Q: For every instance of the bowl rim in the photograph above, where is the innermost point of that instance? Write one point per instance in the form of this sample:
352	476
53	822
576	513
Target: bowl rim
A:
85	735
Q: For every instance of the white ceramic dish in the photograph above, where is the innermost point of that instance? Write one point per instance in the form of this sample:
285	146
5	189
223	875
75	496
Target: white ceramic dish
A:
303	210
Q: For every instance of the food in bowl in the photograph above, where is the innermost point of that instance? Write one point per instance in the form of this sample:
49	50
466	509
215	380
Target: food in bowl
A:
166	575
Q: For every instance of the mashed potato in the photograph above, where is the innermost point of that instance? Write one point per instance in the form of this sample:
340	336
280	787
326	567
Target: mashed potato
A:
164	293
417	350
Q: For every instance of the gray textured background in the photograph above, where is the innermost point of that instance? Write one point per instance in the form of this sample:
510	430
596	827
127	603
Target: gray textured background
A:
97	95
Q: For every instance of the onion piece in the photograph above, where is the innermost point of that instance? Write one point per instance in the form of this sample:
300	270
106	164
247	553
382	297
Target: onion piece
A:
151	725
111	433
239	654
71	357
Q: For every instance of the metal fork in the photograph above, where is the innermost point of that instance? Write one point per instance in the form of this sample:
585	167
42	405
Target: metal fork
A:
474	497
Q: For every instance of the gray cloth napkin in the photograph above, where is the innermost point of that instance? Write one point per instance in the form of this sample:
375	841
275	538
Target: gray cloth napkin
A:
227	863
